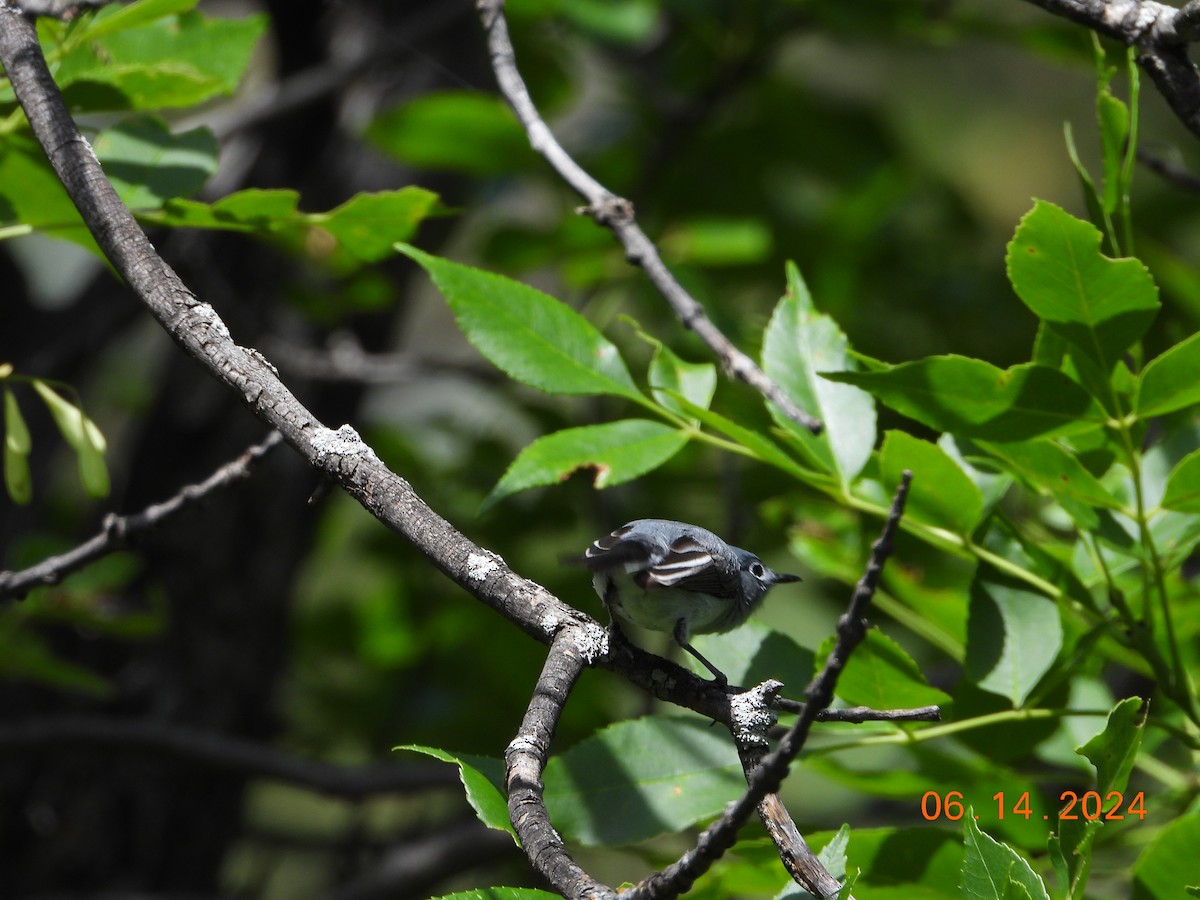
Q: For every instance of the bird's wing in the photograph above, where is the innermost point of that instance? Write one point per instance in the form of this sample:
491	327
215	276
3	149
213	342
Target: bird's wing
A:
620	551
689	566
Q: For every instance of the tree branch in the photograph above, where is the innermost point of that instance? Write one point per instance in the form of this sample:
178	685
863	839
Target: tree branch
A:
616	213
222	751
59	9
118	531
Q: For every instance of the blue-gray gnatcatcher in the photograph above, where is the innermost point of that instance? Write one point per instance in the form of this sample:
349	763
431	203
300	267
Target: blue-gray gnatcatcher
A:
679	578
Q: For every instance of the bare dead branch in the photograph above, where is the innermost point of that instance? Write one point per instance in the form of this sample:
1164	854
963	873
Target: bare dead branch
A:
1171	171
222	751
856	715
119	531
616	213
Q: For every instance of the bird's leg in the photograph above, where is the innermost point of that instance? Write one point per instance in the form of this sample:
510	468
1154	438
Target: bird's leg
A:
681	638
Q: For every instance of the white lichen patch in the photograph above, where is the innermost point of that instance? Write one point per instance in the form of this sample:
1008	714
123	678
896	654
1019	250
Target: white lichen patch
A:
345	442
481	566
751	712
592	642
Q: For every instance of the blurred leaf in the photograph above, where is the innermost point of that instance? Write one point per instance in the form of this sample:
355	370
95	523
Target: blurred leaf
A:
82	435
1100	305
1183	486
483	779
641	778
1013	637
147	164
527	334
992	870
717	242
1070	848
17	445
457	130
618	451
1114	750
799	345
1170	863
25	657
972	398
941	493
1170	381
881	675
622	21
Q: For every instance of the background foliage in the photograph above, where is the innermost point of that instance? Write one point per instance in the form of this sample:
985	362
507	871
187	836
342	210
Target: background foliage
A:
873	165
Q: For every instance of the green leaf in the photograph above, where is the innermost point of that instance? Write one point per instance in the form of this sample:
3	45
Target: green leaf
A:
483	780
170	62
1170	863
1071	854
369	225
617	451
1100	305
1170	381
801	344
941	494
1114	750
642	778
881	675
1013	637
1051	468
17	445
25	657
82	434
527	334
112	19
1183	485
147	164
989	867
457	130
717	242
972	398
752	652
670	376
758	444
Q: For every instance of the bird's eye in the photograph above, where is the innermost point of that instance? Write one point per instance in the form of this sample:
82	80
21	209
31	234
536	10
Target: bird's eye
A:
757	569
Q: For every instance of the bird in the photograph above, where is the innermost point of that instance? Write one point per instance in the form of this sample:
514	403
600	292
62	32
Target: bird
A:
678	578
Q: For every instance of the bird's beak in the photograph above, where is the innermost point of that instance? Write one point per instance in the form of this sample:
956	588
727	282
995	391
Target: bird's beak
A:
783	578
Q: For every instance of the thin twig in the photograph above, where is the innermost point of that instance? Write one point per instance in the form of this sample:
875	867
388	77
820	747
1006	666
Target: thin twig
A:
1171	171
617	214
224	752
118	531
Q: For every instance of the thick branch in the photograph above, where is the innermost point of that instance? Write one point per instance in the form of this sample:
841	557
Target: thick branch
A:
222	751
617	214
118	531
